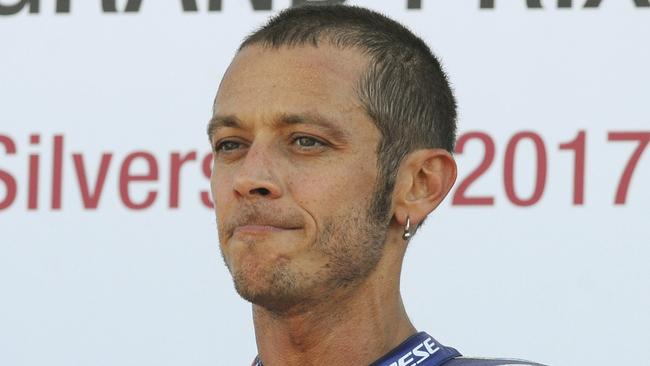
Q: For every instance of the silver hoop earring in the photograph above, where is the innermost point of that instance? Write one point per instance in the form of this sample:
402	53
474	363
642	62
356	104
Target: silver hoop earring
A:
407	229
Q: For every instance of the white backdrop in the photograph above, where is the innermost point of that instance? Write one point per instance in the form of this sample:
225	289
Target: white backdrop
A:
94	282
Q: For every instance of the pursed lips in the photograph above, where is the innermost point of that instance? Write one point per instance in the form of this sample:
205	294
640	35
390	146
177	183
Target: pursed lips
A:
252	229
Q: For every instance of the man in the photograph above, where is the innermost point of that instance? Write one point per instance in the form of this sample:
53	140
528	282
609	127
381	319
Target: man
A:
332	134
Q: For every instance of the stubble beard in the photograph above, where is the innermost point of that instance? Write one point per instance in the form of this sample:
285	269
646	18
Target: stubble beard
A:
352	245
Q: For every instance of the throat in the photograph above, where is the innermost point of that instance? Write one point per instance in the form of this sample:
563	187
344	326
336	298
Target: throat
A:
341	333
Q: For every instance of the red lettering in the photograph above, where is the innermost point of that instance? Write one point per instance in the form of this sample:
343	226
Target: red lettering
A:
57	171
91	199
578	146
460	197
8	179
126	177
643	139
206	167
174	178
32	200
509	169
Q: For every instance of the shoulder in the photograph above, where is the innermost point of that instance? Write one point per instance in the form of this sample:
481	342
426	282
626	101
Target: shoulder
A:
478	361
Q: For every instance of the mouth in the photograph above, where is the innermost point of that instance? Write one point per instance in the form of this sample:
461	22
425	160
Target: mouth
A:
259	229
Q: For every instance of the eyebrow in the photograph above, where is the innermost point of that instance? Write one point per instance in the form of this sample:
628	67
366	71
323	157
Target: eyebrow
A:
317	120
218	121
313	119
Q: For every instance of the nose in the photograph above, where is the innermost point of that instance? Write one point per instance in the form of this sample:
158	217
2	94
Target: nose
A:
256	176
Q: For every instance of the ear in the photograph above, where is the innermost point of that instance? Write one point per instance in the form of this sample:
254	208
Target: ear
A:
424	179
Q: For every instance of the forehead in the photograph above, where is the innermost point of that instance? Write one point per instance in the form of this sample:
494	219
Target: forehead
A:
262	81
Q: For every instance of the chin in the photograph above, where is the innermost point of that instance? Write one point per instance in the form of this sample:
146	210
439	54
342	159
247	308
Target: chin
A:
275	288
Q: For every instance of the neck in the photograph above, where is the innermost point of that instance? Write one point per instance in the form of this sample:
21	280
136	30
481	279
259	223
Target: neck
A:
354	326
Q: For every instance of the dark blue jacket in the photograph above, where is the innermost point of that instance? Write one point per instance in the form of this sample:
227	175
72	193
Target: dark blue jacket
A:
469	361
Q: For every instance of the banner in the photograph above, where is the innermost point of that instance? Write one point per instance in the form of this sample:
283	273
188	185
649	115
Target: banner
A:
108	245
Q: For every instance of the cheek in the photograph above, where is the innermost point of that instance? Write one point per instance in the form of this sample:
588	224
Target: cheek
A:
221	187
220	181
335	188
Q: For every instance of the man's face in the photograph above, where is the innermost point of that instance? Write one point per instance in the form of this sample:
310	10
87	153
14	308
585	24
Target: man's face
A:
294	172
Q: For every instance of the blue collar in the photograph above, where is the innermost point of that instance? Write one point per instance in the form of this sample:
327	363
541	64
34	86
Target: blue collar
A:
419	349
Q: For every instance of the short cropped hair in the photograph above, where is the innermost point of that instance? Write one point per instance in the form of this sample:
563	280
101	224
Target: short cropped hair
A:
404	89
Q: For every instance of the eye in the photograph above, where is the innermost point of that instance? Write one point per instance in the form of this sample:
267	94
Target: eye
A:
227	145
307	142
